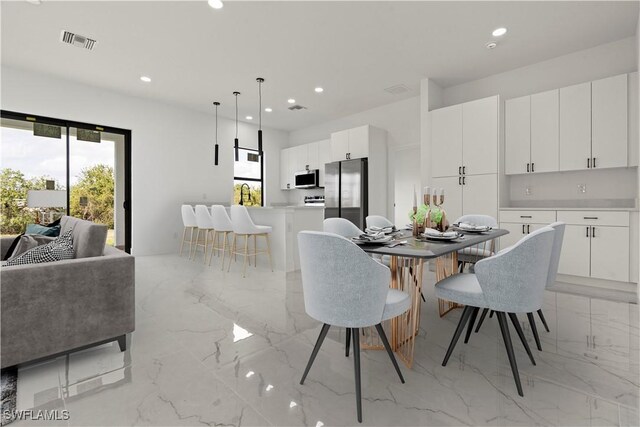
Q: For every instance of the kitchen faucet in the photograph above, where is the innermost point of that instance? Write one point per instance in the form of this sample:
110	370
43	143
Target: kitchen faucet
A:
242	193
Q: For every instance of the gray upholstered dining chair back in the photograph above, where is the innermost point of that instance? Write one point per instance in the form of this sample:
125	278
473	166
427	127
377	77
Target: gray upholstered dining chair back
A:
342	285
513	280
555	251
341	227
378	221
486	220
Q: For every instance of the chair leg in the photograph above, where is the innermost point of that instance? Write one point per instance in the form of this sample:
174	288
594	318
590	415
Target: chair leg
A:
482	316
463	321
246	255
224	247
266	236
490	314
348	343
122	342
356	368
534	330
316	348
383	337
195	248
504	328
184	235
255	251
516	325
191	242
233	251
474	314
544	321
213	245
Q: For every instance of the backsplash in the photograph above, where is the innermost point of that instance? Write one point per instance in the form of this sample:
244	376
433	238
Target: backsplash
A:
588	188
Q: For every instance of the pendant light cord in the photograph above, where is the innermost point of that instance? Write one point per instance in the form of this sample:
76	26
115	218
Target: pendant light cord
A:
216	124
236	94
260	97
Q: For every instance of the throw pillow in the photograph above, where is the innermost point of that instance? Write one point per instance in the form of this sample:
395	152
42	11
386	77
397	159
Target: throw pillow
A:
61	248
45	230
30	241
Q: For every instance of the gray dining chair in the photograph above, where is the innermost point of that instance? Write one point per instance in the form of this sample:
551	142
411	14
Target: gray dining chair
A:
512	281
343	286
342	227
473	254
378	221
558	237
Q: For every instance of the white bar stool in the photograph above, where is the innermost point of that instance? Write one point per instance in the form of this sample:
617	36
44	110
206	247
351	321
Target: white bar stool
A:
243	226
205	223
221	224
189	222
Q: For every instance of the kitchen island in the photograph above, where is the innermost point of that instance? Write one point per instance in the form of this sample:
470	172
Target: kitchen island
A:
286	221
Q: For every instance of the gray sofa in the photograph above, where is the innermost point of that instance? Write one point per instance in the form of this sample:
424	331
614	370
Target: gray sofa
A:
56	307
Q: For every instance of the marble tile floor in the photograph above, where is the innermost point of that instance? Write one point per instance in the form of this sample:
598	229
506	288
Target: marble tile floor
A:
212	348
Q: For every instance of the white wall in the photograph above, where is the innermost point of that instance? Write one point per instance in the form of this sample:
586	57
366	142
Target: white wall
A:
400	119
172	149
590	64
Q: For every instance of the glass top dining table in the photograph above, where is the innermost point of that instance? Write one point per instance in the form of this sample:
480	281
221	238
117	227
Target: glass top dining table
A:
406	263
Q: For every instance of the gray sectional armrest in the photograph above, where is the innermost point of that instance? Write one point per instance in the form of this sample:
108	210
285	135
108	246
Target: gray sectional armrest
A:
5	242
59	306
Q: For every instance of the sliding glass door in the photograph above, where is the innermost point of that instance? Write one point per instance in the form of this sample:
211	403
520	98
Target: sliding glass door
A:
52	167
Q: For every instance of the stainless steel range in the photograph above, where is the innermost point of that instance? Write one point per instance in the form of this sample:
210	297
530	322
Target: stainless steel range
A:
314	200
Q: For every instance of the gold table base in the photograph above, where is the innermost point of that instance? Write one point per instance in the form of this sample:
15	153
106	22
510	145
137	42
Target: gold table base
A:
406	276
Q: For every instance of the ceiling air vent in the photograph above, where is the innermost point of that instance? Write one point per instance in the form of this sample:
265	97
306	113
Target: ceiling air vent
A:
77	40
397	89
297	107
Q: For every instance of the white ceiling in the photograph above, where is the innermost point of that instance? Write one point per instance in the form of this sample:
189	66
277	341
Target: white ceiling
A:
355	50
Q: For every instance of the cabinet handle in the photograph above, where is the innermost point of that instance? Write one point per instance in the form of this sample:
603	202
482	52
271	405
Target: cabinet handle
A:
594	162
588	343
459	170
523	229
590	217
527	167
460	180
593	342
593	232
533	167
528	228
463	177
588	163
464	170
525	216
587	231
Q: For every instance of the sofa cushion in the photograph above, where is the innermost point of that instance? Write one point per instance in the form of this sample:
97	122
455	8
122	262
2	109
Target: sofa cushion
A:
61	248
45	230
29	241
88	238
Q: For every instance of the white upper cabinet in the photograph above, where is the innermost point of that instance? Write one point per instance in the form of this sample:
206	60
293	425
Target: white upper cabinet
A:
446	141
312	156
324	157
359	142
517	135
350	144
609	122
575	127
300	157
339	145
285	176
545	131
480	136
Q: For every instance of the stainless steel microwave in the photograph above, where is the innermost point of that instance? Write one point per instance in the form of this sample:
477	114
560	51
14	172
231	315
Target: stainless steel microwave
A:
307	179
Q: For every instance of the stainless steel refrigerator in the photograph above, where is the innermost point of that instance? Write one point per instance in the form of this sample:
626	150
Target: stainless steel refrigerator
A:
345	191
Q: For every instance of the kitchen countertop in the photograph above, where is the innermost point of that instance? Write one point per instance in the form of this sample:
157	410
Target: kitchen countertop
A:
276	207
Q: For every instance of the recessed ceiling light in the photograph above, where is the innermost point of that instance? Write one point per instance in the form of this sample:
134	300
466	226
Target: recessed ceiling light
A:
268	110
145	79
491	45
36	2
319	90
216	4
249	118
499	32
291	101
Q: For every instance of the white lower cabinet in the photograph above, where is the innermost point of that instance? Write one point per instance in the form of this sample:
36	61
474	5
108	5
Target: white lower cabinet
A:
520	223
610	253
575	258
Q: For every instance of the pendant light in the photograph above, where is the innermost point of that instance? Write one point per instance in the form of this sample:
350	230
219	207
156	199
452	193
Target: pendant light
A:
260	80
216	146
236	147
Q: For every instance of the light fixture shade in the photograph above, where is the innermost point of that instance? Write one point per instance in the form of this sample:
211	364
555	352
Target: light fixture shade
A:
260	80
236	149
260	142
215	162
46	199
